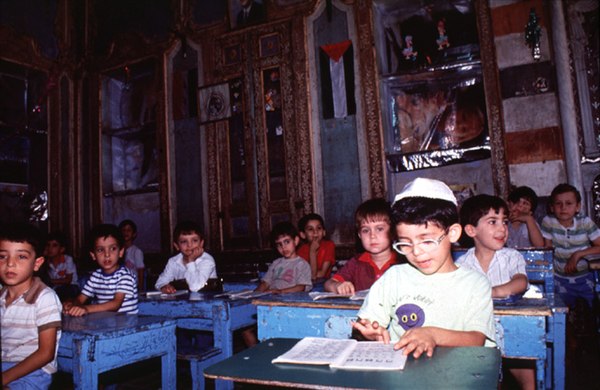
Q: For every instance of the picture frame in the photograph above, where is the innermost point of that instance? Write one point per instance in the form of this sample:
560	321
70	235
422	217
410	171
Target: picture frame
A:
437	120
269	45
214	103
237	19
232	54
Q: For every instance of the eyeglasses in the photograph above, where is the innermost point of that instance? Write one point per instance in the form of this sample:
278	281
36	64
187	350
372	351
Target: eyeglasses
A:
426	246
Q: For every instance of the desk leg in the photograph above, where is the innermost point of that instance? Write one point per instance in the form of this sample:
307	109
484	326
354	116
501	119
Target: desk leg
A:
559	331
169	366
221	384
85	370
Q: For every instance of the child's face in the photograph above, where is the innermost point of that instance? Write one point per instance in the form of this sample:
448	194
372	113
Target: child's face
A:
53	249
565	207
375	236
286	246
128	233
433	255
491	231
190	245
313	231
18	261
107	254
522	206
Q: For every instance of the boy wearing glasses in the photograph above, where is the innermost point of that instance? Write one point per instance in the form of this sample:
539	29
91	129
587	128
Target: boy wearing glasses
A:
113	286
372	219
430	301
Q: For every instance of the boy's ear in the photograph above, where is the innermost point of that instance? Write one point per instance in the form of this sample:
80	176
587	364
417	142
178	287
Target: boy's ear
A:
38	263
121	252
176	246
302	235
470	230
296	240
93	255
454	232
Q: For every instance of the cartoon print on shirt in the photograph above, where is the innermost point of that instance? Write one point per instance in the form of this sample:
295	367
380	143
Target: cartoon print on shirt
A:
410	316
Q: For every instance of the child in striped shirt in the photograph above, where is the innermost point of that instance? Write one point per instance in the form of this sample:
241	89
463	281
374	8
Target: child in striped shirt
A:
113	286
573	237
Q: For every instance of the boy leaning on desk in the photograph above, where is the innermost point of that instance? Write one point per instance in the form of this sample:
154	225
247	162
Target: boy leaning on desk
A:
430	301
192	263
112	285
29	312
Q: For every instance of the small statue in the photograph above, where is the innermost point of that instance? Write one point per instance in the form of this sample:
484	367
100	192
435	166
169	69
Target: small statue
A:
442	40
408	52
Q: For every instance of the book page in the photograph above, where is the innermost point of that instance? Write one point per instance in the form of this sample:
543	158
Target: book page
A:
315	350
373	355
316	295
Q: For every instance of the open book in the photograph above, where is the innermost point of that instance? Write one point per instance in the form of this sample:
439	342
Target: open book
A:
344	354
358	296
153	294
242	294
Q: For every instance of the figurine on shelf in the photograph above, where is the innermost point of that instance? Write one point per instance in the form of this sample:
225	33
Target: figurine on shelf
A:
442	40
408	52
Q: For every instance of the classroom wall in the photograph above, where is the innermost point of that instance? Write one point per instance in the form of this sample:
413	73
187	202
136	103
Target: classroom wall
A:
531	115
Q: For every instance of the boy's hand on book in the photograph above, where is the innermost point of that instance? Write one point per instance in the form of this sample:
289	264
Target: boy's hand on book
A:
345	288
417	341
372	330
168	289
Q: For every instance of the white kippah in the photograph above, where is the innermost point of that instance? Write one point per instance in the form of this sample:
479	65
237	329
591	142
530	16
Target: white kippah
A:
427	188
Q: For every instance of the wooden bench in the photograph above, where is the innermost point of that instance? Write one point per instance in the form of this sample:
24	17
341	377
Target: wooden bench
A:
540	268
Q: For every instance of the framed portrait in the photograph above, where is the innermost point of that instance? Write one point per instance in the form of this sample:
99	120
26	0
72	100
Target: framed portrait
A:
269	45
436	121
232	55
214	102
244	13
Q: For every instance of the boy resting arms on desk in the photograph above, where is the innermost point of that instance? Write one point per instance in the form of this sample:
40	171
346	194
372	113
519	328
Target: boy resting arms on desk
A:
29	312
192	263
485	219
112	285
430	301
372	219
289	273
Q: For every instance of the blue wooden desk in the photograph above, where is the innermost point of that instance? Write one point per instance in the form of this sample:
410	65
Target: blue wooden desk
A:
531	328
219	315
449	368
100	342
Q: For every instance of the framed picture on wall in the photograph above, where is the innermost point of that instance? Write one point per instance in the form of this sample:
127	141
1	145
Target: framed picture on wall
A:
437	120
269	45
244	13
214	102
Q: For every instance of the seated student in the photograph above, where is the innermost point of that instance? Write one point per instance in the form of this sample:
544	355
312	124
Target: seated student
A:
372	220
429	302
485	218
112	286
317	250
573	236
134	257
523	229
61	268
29	312
289	273
191	264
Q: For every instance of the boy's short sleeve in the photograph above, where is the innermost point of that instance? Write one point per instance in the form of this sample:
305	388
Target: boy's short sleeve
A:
49	310
303	274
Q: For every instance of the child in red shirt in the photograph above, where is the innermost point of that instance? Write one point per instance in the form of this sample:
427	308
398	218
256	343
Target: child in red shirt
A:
373	225
316	249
